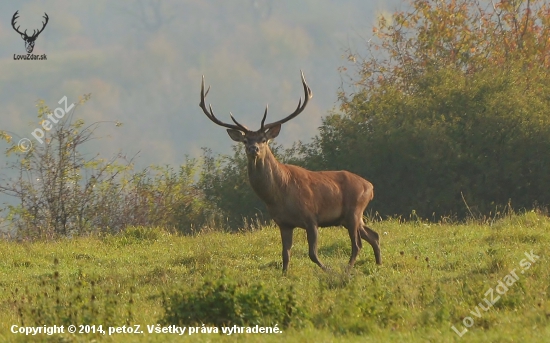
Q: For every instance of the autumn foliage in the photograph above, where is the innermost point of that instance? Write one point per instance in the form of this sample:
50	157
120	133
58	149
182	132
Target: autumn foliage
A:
467	36
447	113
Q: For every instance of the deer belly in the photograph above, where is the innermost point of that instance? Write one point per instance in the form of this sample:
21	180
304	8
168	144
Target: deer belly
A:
300	215
330	216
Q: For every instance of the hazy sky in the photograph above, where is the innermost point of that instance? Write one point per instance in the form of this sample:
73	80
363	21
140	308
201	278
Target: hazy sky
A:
142	61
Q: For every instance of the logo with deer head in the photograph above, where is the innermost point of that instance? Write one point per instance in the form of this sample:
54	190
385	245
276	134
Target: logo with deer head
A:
29	40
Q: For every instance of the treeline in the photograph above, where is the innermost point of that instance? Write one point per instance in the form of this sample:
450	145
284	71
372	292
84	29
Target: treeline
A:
451	110
447	114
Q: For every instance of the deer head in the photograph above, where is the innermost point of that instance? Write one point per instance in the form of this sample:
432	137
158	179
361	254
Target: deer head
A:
29	40
256	142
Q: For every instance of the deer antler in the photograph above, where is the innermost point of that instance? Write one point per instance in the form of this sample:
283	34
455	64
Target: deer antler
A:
45	16
299	109
210	113
13	19
34	33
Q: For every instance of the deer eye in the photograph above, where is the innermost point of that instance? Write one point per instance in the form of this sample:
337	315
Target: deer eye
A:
264	140
245	140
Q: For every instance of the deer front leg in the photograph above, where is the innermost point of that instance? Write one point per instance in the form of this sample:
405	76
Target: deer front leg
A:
286	237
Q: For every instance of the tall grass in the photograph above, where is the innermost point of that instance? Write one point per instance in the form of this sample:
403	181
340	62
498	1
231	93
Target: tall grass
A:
433	276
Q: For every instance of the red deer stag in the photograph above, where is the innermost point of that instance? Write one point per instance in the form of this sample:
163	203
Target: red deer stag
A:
296	197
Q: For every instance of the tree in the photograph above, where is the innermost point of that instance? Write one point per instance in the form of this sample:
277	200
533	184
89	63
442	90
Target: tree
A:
464	35
450	106
62	191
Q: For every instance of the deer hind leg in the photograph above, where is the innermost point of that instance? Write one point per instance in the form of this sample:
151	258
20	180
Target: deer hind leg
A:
312	233
372	237
355	238
286	237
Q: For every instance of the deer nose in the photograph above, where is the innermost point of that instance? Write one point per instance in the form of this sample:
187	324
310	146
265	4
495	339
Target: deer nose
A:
253	149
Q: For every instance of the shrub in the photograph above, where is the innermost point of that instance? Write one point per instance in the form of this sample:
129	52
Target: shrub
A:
78	300
225	302
61	191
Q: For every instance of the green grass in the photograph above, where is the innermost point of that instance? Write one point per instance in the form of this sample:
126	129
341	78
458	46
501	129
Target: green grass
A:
432	276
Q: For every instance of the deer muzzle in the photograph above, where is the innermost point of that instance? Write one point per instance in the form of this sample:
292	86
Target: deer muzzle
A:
253	150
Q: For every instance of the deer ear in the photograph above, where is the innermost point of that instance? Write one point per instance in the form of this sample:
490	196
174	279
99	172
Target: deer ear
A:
273	132
236	135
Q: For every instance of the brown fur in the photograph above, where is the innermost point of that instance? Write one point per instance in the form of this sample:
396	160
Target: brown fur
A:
296	197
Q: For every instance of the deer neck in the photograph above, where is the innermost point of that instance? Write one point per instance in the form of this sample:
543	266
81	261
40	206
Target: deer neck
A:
267	177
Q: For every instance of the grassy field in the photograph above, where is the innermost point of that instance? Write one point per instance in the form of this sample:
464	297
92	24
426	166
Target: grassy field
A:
433	276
